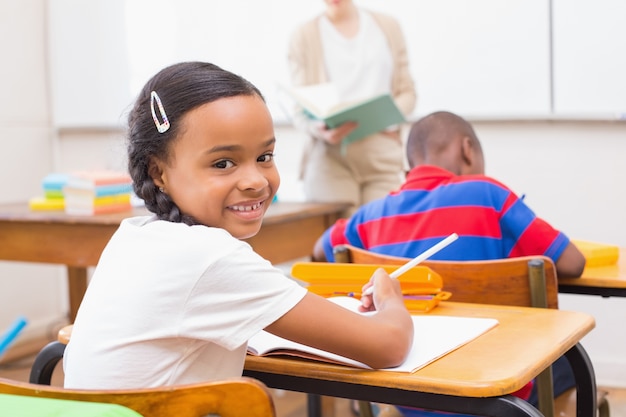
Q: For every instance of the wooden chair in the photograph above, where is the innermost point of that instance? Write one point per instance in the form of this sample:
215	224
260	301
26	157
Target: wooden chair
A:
529	281
501	282
227	398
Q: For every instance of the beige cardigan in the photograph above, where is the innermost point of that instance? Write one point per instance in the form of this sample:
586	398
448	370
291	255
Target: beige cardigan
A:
306	59
306	65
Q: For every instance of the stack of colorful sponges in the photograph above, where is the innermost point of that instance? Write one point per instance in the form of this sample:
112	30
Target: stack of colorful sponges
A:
53	193
97	192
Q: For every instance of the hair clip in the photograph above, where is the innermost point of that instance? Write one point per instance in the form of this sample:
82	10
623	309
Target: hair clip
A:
161	127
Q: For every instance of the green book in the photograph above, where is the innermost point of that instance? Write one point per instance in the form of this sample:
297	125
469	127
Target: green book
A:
372	114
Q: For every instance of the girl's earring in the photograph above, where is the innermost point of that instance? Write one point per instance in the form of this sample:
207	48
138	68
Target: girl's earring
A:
161	189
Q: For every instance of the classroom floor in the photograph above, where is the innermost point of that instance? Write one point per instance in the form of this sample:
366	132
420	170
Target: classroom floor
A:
288	404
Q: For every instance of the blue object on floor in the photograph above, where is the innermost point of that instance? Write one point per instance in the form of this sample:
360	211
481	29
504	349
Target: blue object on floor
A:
11	334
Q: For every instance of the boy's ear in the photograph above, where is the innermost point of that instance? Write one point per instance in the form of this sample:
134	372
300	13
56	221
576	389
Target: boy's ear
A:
467	151
156	172
472	157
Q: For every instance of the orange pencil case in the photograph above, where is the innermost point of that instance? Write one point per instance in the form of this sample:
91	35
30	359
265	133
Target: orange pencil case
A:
420	285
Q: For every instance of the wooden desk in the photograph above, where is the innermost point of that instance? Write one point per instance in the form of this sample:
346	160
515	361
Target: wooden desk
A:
475	379
289	231
600	280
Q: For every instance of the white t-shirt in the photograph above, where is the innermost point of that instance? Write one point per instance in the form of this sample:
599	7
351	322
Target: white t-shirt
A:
172	304
360	66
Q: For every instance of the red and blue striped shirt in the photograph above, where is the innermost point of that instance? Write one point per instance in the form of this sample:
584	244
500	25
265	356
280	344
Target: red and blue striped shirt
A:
491	221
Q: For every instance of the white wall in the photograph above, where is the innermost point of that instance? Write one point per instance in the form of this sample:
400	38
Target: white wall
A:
36	291
571	173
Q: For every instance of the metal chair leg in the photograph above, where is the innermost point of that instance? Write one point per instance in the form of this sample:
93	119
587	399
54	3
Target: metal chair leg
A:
45	362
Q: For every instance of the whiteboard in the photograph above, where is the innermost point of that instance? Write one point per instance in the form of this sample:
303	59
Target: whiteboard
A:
483	58
590	57
88	64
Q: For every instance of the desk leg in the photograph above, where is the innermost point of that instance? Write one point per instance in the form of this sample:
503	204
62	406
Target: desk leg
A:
586	390
314	405
318	406
77	283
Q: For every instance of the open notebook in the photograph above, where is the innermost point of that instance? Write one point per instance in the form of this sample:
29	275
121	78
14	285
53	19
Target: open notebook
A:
435	336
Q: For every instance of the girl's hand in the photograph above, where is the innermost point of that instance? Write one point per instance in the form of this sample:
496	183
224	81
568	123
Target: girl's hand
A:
387	290
333	136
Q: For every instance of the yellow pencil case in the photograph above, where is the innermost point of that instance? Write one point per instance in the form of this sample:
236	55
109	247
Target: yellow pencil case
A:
420	285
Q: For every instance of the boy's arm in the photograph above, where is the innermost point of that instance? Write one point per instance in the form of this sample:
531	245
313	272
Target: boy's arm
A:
318	254
571	262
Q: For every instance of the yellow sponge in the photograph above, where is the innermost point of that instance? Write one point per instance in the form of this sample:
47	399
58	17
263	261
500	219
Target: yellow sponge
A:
597	254
46	204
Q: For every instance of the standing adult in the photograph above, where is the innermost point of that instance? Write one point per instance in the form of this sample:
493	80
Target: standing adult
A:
361	53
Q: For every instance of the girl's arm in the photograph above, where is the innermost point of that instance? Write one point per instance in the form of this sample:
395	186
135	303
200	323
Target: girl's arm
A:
381	340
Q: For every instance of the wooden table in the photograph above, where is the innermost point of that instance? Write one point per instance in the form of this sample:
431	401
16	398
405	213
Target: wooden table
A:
475	379
289	231
600	280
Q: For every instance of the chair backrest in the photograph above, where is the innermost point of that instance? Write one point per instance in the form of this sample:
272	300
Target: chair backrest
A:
523	281
227	398
501	281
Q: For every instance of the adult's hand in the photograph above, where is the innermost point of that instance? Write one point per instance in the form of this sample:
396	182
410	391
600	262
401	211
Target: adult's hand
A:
332	136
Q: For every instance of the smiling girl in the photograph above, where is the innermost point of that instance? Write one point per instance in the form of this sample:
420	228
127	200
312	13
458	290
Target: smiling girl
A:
176	295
